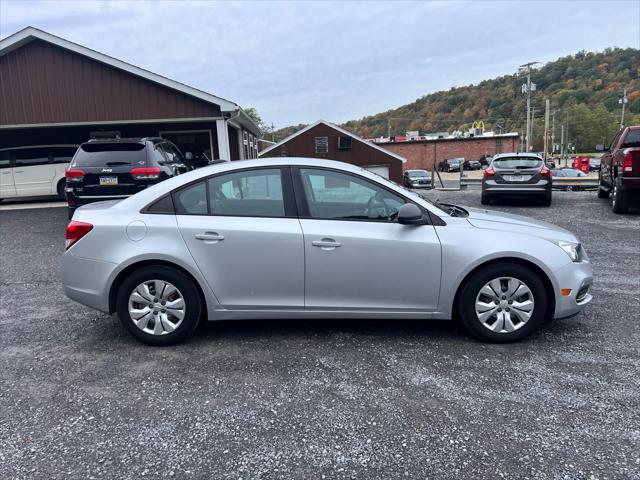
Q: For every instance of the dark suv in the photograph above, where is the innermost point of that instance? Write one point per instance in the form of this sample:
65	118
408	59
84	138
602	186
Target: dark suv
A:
118	168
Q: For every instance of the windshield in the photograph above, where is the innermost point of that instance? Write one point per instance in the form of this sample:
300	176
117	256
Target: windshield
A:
111	154
517	162
418	173
454	161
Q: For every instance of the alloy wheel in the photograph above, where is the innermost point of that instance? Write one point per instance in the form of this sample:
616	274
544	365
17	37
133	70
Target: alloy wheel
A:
156	307
504	304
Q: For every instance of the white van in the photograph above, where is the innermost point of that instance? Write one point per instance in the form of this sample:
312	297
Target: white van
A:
34	170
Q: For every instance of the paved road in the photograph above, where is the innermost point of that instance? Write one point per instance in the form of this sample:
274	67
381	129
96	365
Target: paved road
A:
298	399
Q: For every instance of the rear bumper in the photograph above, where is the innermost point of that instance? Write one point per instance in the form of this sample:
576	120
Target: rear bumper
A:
86	281
630	182
542	187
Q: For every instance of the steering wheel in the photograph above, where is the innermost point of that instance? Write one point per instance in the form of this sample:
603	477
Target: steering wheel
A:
377	208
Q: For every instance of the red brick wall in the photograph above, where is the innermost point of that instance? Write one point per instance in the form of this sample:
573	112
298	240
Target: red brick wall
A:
423	154
360	153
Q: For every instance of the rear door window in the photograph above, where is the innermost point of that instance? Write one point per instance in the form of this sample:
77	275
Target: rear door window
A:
191	200
632	139
5	159
110	154
251	193
62	154
28	157
517	162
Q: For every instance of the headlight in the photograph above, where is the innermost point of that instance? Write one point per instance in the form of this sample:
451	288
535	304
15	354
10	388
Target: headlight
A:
571	249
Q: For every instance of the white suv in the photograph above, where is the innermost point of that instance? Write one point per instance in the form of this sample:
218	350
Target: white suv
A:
34	170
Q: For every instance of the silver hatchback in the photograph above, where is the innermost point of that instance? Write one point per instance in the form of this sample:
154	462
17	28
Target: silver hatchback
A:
303	238
520	174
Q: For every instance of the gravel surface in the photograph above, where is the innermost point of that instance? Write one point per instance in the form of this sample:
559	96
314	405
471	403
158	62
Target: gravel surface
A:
340	399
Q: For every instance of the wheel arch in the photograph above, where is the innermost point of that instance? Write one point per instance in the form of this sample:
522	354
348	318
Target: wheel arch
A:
117	281
546	281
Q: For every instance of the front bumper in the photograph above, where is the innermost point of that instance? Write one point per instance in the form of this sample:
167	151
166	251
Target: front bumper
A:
578	276
87	281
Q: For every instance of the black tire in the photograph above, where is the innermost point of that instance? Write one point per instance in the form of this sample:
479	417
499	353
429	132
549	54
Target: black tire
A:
619	198
603	192
186	286
70	212
471	290
546	200
60	189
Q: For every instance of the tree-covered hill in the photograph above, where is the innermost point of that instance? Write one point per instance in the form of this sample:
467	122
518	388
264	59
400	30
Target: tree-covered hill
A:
584	90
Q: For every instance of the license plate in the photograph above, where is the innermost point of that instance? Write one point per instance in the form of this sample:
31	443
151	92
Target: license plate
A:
108	180
517	178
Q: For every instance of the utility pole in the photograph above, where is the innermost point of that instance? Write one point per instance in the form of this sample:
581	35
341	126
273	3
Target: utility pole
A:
546	129
553	132
622	101
566	159
527	89
273	133
561	141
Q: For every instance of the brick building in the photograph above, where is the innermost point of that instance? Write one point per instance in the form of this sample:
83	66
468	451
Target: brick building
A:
422	154
326	140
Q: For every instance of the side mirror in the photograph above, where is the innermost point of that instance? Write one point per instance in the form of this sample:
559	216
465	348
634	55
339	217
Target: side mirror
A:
410	214
600	148
188	156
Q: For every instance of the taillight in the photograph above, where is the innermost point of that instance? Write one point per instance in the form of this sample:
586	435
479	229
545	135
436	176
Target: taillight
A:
545	172
489	172
145	173
74	175
75	231
627	163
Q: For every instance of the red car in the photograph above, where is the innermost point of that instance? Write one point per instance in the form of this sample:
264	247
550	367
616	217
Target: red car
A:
620	170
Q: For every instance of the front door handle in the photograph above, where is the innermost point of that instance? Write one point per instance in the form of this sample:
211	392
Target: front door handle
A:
209	237
18	171
326	243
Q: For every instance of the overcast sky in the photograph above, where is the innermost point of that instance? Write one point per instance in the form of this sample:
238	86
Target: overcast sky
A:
297	62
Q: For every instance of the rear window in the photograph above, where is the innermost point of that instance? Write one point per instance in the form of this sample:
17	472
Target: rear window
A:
111	154
633	138
517	162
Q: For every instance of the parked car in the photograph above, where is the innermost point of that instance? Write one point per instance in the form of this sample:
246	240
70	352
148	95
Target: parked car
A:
594	164
451	165
620	170
416	179
32	171
472	165
485	161
568	172
517	174
314	238
118	168
551	162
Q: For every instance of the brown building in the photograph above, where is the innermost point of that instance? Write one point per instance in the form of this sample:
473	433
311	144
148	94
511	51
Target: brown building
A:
422	154
53	91
326	140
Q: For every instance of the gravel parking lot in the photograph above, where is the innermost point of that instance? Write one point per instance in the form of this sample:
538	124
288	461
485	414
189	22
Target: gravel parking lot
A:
298	399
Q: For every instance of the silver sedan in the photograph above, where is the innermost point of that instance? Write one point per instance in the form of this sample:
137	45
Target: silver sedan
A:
303	238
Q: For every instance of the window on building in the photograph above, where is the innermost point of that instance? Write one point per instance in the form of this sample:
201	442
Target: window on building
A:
322	145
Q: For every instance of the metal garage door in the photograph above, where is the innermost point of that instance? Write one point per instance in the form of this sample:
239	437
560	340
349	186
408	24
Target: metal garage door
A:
381	170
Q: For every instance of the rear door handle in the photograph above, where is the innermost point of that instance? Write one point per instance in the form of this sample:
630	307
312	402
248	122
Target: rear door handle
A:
209	237
326	243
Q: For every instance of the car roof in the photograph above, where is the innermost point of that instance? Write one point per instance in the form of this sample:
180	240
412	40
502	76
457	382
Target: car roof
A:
516	154
127	140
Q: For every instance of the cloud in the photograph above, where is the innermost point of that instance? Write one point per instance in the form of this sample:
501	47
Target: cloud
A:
300	61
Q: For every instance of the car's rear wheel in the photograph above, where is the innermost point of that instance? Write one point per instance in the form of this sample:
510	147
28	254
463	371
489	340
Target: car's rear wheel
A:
503	302
546	200
60	189
619	200
603	192
159	305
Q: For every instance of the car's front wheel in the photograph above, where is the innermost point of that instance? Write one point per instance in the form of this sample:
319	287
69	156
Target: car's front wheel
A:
159	305
503	302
